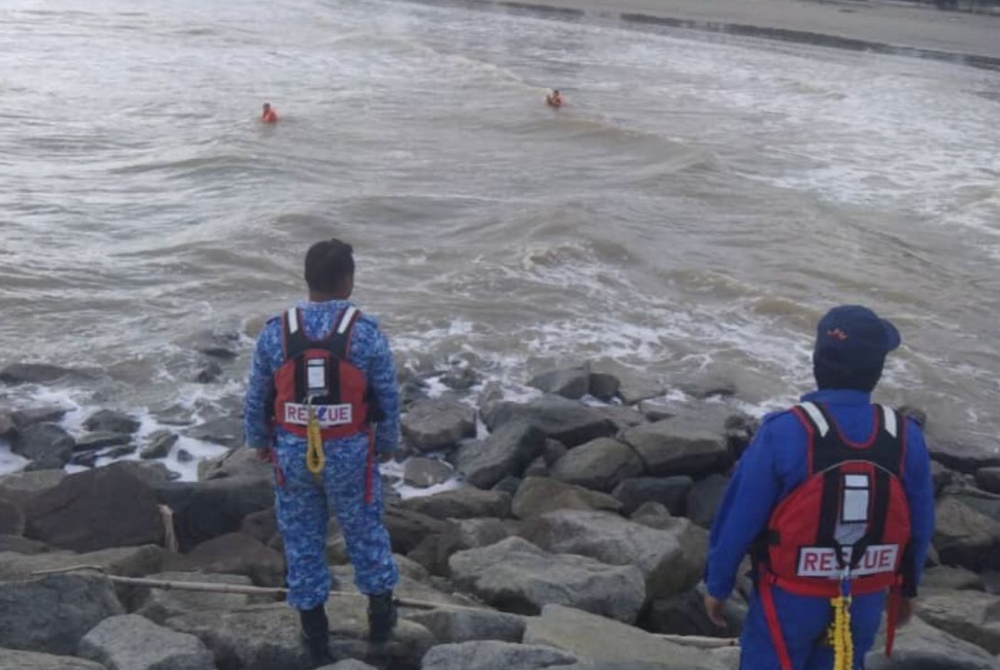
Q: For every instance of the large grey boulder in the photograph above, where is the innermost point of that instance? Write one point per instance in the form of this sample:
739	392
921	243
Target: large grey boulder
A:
408	529
21	545
466	503
159	444
110	421
158	605
238	463
684	614
97	509
966	537
568	421
704	499
237	554
435	550
507	451
31	482
46	445
226	431
266	637
42	373
988	479
950	578
539	495
600	640
966	458
426	472
629	384
922	647
615	541
467	625
131	642
678	447
671	492
969	615
492	655
52	613
11	659
517	576
600	464
122	561
207	509
432	425
29	416
572	383
693	541
11	514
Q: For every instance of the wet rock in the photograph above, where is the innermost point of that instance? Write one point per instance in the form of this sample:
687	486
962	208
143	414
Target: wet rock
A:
633	385
558	418
460	379
237	554
467	503
948	578
412	392
46	445
454	625
616	541
21	545
508	485
125	561
99	509
11	515
133	642
29	417
407	528
153	474
348	664
266	637
175	415
434	551
604	385
671	492
693	541
517	576
432	425
34	615
684	614
677	447
184	456
966	537
988	479
107	420
507	451
11	659
704	499
31	482
710	387
622	416
205	510
87	459
262	526
966	458
159	605
209	373
943	478
236	463
40	373
159	444
426	472
553	451
601	464
538	495
969	615
102	440
494	655
572	383
7	425
220	345
537	468
923	647
227	432
601	641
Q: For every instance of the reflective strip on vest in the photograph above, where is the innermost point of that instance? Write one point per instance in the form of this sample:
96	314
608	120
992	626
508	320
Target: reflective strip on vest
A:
820	422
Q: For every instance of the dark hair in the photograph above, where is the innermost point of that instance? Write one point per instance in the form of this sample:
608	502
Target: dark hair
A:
329	264
832	376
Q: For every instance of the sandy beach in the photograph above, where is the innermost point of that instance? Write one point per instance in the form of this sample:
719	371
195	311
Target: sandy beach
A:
900	26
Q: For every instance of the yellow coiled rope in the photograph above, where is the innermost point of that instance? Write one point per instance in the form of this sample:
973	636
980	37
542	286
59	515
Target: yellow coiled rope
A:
315	458
840	634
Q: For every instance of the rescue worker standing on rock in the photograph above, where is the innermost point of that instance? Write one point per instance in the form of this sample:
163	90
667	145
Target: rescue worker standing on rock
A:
835	503
322	403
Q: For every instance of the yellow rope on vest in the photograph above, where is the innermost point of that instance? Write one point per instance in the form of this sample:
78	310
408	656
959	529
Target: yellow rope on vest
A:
315	458
840	634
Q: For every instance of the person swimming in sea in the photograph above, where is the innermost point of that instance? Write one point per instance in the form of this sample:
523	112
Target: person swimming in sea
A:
268	115
554	99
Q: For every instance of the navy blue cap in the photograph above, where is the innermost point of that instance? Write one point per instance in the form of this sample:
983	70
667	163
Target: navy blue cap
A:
852	337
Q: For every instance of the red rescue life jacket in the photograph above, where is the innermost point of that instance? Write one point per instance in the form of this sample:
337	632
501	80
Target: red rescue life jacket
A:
847	527
318	373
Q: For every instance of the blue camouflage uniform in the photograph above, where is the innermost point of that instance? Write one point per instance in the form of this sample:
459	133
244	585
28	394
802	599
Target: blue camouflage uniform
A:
302	501
772	467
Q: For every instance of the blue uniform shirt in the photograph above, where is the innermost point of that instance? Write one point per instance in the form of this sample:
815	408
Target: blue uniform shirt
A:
776	463
369	352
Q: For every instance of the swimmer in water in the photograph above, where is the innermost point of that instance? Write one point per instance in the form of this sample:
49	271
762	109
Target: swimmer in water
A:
554	99
268	115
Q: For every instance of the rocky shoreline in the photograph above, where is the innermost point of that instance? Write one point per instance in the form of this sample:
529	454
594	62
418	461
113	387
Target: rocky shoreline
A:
578	540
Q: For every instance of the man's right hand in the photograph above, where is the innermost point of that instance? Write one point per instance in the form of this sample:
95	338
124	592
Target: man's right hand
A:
714	608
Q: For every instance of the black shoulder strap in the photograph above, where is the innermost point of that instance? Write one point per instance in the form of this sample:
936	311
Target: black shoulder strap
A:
336	342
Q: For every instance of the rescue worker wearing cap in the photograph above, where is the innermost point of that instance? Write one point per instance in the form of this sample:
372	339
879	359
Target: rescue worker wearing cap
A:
835	503
322	403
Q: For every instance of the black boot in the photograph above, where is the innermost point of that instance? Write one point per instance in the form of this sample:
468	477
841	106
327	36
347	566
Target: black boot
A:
381	617
316	635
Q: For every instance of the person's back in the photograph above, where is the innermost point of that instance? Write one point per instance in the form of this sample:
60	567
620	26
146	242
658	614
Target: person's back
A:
835	488
323	404
268	115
